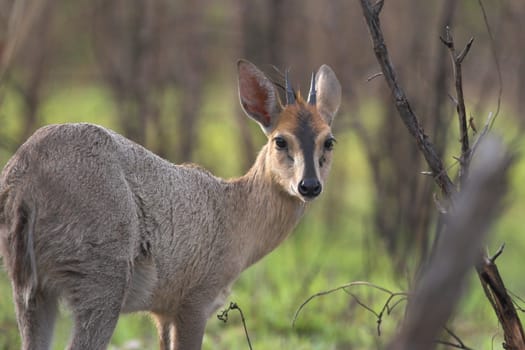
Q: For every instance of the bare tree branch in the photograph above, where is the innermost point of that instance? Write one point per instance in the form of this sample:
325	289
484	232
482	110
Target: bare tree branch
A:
502	303
371	14
457	59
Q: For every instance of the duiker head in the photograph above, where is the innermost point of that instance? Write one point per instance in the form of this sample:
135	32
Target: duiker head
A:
300	139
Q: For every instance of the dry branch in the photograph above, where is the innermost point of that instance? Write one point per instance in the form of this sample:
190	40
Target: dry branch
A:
409	118
502	303
457	60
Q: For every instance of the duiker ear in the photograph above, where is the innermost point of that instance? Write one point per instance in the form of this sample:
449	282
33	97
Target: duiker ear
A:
328	93
258	96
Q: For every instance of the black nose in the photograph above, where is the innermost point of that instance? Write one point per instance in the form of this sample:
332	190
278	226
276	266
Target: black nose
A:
310	187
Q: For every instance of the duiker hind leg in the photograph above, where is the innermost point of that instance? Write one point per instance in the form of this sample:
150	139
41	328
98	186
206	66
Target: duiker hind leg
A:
36	319
189	327
96	302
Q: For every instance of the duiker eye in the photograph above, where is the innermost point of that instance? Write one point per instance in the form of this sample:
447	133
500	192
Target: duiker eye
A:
329	144
280	143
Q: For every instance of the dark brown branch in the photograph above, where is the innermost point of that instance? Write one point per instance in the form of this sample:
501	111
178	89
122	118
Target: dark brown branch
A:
502	303
457	59
371	14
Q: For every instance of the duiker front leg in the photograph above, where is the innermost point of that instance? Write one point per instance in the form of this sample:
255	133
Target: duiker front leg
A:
36	319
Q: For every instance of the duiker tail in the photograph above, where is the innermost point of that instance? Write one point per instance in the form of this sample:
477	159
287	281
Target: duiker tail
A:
17	225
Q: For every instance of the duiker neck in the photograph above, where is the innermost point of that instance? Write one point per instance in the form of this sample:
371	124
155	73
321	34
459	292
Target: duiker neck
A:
268	214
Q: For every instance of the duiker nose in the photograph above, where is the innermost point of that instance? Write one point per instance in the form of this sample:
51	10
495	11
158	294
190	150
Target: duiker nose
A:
310	187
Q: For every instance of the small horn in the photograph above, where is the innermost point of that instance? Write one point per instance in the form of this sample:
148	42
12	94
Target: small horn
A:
312	95
290	96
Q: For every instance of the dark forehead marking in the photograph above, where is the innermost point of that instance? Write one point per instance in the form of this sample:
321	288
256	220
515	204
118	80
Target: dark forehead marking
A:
305	130
305	133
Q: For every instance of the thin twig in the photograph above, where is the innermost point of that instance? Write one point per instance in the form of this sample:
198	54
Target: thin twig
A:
362	304
386	306
452	345
498	253
484	132
223	316
373	76
492	341
465	51
456	338
344	287
514	297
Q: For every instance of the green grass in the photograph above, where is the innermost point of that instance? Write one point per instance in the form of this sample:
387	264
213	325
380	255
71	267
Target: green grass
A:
333	245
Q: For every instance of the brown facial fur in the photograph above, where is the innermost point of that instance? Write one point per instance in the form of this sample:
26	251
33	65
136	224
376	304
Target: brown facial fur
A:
305	132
